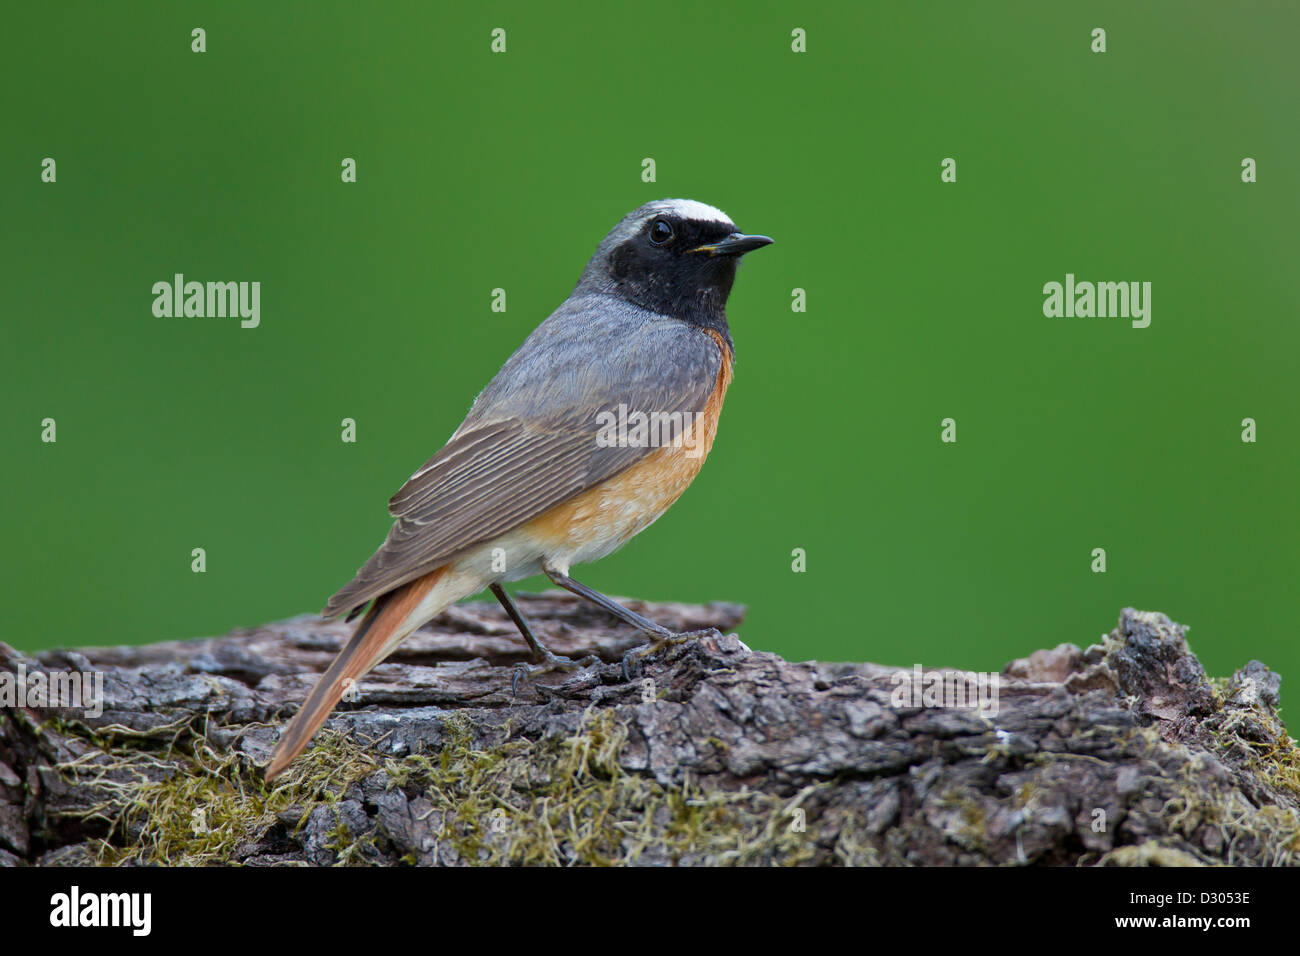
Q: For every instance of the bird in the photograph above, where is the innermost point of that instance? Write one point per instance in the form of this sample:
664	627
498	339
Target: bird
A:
557	463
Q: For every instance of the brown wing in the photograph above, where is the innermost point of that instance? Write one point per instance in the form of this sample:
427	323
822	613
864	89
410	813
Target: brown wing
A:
485	482
497	473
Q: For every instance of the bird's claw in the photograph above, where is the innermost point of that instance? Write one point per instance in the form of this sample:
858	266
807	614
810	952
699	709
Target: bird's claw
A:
656	644
549	663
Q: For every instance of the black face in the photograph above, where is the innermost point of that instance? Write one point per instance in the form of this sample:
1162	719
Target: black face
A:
661	269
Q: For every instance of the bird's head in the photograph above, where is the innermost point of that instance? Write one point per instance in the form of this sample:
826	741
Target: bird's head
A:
676	257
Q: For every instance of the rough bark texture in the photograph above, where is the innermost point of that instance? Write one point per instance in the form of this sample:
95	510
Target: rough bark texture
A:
1123	753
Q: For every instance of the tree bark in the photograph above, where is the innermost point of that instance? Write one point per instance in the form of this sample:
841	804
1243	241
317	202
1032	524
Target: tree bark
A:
1124	753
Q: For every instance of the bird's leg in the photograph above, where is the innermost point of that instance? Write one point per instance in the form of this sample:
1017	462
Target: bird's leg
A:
546	660
660	636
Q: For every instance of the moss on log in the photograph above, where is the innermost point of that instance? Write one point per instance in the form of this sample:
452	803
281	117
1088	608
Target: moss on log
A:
1120	754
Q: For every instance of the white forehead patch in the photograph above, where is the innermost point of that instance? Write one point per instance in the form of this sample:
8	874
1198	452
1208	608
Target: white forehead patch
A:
698	211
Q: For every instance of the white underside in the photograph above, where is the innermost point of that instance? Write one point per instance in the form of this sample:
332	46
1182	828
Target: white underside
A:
522	556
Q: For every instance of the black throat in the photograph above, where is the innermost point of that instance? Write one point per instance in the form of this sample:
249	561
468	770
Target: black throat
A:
691	286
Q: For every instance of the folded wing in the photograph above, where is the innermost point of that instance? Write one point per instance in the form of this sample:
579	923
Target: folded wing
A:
505	466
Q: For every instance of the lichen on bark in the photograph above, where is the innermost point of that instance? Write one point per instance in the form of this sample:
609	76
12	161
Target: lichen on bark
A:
1123	753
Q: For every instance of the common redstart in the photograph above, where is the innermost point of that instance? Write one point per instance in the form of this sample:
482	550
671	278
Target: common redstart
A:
597	424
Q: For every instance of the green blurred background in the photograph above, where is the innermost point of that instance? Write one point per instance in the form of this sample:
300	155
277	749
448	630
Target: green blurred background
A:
479	170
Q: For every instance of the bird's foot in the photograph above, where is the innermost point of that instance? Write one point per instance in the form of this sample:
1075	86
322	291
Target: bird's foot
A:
658	643
549	663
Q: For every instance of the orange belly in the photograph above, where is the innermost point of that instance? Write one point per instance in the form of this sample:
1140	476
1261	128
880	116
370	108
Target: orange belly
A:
604	517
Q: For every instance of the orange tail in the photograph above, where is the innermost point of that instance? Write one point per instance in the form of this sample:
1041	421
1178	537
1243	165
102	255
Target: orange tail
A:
371	642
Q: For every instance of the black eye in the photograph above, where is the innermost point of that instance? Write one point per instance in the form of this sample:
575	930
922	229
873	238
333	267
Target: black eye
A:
661	232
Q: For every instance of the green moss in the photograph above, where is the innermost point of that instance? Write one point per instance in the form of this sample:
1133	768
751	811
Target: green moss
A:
198	805
1149	854
169	795
1252	738
172	797
569	802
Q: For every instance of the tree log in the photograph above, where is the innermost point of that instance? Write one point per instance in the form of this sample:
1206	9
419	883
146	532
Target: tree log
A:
1123	753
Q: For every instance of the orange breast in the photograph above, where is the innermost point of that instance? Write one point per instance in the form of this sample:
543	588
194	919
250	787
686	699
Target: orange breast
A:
616	509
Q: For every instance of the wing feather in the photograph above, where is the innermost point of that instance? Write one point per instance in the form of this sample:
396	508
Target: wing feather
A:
502	468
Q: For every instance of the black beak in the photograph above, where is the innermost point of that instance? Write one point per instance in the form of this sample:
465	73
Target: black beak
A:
736	244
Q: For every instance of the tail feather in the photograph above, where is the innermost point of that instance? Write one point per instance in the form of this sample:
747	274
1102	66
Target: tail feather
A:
377	636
